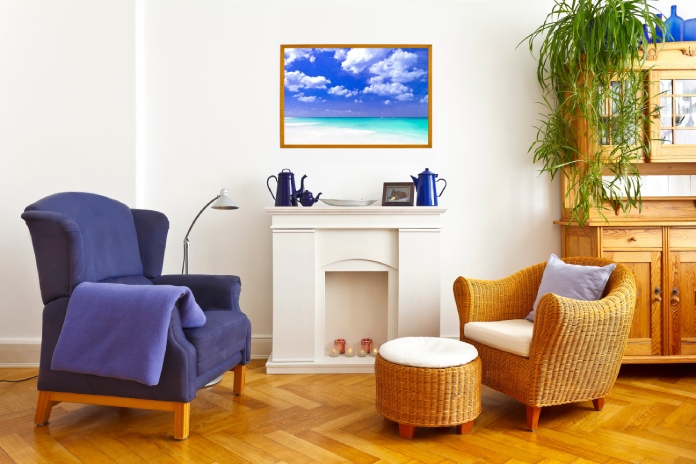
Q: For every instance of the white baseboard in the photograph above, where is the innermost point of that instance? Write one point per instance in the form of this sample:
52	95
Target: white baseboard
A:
20	352
261	346
26	352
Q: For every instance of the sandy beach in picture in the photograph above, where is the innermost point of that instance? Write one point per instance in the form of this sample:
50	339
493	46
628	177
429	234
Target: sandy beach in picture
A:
356	96
356	131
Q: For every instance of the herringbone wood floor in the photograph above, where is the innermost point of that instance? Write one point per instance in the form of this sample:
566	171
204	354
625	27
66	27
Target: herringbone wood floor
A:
650	417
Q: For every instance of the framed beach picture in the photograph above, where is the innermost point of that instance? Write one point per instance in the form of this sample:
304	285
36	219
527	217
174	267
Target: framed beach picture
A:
356	96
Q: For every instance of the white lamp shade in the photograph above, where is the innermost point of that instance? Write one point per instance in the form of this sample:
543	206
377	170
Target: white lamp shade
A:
224	201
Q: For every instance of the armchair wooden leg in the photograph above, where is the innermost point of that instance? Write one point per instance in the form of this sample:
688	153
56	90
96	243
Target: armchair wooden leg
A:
598	404
466	428
533	417
43	408
407	431
182	413
239	379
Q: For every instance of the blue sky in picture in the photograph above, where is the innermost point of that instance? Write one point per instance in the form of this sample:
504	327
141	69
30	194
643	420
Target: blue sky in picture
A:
356	82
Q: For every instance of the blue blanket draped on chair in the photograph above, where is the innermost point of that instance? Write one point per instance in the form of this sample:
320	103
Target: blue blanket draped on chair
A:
116	330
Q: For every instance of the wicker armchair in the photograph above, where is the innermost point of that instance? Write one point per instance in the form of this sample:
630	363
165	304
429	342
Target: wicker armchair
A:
576	348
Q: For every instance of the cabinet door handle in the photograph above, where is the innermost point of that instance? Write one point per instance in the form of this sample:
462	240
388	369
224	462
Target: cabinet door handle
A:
658	298
632	239
675	295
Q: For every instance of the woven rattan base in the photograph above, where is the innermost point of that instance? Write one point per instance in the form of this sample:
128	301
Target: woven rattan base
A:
424	397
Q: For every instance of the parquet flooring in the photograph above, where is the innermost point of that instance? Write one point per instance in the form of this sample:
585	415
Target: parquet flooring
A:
650	417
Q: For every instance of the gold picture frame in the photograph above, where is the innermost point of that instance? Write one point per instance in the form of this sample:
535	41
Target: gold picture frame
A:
393	76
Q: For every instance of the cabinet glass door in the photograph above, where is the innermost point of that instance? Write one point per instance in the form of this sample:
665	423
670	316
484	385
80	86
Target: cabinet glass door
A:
675	128
611	105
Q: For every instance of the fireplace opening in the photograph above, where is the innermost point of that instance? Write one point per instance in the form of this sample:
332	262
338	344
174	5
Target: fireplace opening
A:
356	307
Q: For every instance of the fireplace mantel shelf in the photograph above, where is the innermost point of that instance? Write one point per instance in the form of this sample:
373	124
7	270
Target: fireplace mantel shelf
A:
309	244
348	210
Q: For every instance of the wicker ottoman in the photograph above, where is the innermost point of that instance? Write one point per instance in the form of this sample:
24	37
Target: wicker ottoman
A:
428	382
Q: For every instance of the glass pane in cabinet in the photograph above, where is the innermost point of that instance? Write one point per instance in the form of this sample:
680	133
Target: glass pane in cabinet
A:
685	107
685	137
615	97
666	86
683	86
603	137
666	112
666	137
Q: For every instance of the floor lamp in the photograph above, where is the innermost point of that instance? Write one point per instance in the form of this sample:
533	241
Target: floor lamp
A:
224	202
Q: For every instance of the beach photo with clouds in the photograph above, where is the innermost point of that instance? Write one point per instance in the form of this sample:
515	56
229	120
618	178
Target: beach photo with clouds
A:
355	96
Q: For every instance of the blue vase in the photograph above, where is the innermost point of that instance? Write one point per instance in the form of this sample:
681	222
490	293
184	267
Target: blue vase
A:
674	26
646	34
690	30
658	31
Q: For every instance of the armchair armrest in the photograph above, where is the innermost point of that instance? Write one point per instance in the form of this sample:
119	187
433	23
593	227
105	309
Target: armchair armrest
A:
565	327
497	300
210	291
590	336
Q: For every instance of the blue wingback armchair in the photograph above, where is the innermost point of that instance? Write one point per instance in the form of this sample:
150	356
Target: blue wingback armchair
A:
82	237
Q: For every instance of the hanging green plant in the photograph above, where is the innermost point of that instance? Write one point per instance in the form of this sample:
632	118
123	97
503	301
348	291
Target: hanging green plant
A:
592	76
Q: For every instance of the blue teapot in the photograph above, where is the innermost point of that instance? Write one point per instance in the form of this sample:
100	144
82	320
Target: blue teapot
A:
305	197
426	188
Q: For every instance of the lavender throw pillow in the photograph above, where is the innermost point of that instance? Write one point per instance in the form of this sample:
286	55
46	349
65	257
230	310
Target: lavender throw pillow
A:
584	283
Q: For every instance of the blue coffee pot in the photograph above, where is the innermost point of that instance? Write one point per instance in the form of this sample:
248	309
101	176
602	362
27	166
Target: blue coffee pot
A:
286	193
426	188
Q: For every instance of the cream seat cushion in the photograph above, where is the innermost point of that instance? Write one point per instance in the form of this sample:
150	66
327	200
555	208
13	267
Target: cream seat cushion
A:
428	352
513	336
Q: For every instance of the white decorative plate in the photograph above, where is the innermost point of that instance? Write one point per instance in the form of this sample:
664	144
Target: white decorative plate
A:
347	202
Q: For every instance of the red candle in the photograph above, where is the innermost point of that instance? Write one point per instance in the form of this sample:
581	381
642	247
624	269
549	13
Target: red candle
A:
342	343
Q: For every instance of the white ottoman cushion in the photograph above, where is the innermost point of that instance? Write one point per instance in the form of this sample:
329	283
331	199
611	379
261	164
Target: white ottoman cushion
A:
428	352
513	336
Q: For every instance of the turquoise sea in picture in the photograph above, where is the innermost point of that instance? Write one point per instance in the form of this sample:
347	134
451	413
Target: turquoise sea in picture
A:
356	131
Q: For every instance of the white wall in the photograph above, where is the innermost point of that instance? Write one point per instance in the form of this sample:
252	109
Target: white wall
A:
210	120
66	123
212	103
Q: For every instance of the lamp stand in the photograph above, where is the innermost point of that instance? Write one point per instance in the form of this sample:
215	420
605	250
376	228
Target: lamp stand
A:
187	243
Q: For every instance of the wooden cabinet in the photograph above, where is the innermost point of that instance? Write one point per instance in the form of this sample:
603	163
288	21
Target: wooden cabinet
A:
658	243
663	261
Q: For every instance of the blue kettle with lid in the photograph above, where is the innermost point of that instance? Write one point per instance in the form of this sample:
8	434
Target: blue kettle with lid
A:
426	188
286	193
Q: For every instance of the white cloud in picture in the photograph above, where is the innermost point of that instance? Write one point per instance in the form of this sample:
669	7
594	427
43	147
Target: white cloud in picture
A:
358	59
295	80
293	54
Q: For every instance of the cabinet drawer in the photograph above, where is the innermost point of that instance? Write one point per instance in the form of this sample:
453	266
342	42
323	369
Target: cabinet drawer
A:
623	238
682	238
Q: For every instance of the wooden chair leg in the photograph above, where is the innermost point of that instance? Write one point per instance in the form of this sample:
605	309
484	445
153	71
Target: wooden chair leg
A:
182	413
466	428
598	404
43	408
239	379
407	431
533	417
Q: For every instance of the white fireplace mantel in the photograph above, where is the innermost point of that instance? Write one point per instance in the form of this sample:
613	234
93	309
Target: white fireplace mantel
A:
308	243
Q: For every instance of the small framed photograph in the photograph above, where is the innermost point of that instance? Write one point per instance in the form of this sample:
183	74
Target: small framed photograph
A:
398	194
